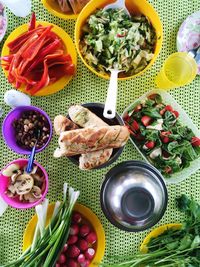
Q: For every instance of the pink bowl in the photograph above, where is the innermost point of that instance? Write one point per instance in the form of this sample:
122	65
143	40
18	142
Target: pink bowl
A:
15	202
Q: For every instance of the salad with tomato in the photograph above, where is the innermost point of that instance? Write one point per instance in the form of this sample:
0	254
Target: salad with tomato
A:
157	131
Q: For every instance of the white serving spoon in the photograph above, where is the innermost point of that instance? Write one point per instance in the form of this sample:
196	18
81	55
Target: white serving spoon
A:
111	99
119	4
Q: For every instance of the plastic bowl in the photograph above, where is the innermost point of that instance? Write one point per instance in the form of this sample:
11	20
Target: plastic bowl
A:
69	47
134	7
16	203
8	131
87	214
156	232
97	109
53	7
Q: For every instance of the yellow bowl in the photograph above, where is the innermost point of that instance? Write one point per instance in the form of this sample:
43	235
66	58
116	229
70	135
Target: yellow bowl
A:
53	7
87	214
69	46
135	7
156	232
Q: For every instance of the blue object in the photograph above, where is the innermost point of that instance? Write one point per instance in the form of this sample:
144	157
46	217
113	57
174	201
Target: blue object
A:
32	156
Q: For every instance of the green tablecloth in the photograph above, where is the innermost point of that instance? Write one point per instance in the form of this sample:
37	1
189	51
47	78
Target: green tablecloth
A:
86	87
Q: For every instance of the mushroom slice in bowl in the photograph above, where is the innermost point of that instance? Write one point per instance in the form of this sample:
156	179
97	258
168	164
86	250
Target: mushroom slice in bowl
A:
23	184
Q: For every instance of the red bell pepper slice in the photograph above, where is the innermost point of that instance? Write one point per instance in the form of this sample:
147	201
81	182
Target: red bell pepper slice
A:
32	23
35	46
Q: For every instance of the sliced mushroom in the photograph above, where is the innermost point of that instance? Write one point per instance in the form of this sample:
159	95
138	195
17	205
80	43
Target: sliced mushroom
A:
11	191
23	184
15	175
10	170
29	197
36	192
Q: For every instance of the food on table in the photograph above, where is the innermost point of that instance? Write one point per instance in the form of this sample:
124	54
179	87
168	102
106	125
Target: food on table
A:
175	247
84	117
62	123
3	21
72	6
80	248
14	98
30	127
111	39
27	187
37	58
90	139
48	242
155	128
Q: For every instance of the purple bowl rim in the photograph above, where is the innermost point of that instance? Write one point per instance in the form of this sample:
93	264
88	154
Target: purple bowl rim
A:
33	204
26	152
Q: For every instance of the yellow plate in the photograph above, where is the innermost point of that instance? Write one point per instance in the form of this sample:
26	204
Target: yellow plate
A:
53	7
87	214
69	46
156	232
134	6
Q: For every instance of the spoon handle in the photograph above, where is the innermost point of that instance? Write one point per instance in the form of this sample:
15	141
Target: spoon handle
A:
30	160
111	99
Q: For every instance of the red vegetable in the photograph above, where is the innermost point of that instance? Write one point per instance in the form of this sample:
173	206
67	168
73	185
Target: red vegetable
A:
150	144
168	108
84	230
146	120
91	238
164	137
195	141
138	108
168	169
73	251
37	58
135	126
175	113
74	229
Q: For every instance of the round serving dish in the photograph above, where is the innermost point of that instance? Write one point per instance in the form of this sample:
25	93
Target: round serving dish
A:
156	232
8	131
15	202
87	214
134	7
69	46
97	109
133	196
4	21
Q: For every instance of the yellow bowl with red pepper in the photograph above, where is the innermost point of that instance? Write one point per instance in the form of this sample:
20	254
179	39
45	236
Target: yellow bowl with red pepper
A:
54	77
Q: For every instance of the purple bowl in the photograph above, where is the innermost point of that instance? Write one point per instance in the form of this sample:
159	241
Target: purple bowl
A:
15	202
8	131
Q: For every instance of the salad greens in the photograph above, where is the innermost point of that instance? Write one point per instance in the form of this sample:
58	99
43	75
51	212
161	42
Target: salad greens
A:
48	242
158	133
175	247
111	39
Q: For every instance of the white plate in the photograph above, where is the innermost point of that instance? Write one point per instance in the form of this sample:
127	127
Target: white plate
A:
188	36
185	120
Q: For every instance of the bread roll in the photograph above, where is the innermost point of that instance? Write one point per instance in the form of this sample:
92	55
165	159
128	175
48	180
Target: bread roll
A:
62	123
82	141
84	117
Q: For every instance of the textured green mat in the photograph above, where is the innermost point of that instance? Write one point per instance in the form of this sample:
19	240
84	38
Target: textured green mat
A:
86	87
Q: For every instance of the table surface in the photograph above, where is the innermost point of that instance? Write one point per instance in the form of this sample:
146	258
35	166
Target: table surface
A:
86	87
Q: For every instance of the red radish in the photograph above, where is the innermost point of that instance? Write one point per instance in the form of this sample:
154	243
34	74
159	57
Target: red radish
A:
195	141
82	244
71	263
163	134
166	140
146	120
89	254
85	264
168	108
91	238
135	126
73	251
76	217
81	258
74	229
162	111
168	169
137	108
65	247
84	230
62	259
176	114
72	239
150	144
